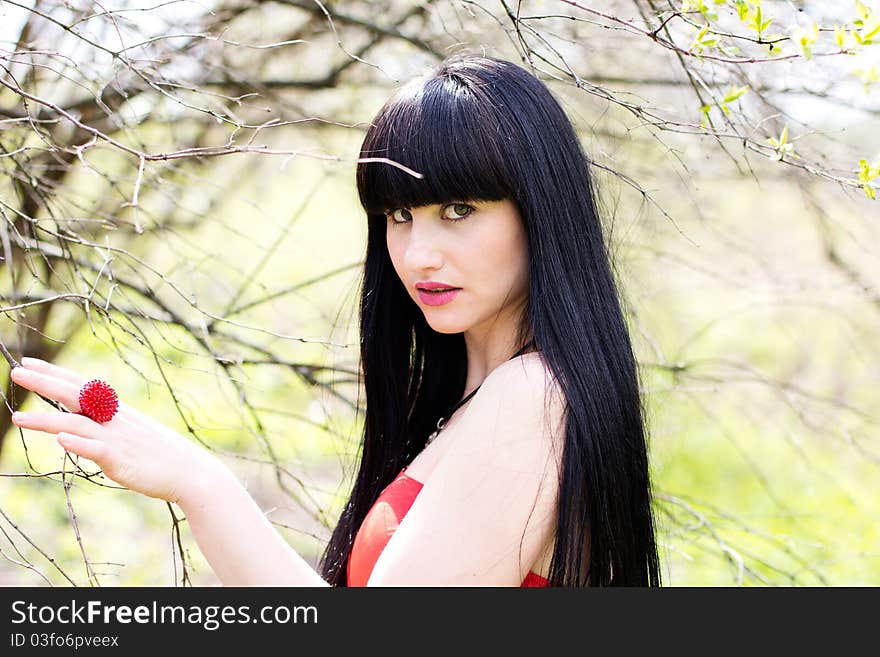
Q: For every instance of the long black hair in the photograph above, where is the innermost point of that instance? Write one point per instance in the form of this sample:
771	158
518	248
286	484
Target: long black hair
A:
480	128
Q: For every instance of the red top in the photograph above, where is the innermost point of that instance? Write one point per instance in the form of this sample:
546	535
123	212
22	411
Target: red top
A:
381	522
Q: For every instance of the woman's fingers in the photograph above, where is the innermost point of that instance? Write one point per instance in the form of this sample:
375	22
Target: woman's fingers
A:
59	422
48	386
64	374
55	370
94	450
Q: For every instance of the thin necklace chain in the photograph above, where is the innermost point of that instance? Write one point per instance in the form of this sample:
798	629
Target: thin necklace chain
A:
443	420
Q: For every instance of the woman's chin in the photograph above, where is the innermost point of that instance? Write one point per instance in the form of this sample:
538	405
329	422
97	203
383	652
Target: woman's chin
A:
446	327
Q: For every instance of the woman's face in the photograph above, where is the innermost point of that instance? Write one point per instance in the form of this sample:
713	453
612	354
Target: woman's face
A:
478	248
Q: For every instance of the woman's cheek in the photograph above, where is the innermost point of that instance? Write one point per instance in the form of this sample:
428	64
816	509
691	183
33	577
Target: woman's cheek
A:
394	254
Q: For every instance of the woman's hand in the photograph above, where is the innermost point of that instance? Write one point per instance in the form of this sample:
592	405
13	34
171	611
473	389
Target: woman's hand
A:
132	449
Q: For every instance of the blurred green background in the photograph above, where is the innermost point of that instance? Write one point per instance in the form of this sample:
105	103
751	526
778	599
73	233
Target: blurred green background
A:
750	283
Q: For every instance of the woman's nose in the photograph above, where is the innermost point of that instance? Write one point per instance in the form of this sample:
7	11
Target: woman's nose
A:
423	251
423	256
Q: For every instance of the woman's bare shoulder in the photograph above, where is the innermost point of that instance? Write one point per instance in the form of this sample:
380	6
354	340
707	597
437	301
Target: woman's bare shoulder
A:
525	388
525	376
530	364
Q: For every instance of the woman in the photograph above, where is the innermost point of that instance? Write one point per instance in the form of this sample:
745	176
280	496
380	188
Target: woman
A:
504	441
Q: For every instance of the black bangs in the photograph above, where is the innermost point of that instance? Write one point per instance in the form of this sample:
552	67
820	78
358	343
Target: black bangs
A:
444	131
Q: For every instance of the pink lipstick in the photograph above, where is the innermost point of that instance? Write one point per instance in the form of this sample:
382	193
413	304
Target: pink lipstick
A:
435	293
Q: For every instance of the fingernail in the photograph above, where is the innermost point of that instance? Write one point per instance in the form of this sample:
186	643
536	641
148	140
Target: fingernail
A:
18	416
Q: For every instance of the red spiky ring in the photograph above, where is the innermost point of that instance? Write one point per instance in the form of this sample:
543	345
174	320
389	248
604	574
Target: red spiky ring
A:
98	401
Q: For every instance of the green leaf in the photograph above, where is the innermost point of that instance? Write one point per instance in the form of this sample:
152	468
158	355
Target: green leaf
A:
782	146
733	94
869	76
874	31
755	22
868	172
804	38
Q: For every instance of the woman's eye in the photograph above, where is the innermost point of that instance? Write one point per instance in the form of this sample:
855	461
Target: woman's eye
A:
400	215
453	212
458	211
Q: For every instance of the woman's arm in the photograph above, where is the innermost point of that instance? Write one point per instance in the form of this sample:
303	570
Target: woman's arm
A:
242	546
145	456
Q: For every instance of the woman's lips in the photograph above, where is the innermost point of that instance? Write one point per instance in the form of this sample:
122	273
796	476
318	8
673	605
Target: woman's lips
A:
437	298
